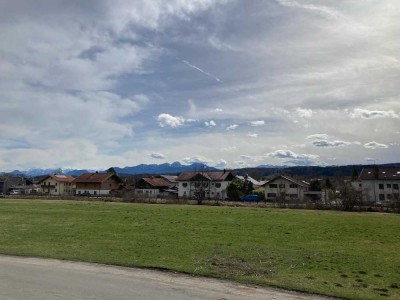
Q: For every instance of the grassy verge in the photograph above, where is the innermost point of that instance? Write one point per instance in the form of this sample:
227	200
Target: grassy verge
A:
352	255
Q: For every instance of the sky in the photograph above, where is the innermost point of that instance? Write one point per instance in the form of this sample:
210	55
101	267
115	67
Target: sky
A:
231	83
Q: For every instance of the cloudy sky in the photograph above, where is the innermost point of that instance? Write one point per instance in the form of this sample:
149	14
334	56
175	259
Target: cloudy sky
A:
94	84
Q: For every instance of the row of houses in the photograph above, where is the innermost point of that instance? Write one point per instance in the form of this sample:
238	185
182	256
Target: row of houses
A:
373	184
95	184
213	185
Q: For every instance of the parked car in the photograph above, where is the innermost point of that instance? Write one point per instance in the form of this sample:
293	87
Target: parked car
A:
249	198
15	192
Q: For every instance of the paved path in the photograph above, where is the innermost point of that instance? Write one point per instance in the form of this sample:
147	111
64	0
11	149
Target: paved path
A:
35	278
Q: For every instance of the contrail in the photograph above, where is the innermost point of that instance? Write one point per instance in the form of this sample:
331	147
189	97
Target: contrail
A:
200	70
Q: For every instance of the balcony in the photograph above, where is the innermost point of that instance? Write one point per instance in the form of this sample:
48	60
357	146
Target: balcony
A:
48	186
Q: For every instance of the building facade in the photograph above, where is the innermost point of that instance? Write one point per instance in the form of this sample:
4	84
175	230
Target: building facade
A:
97	184
158	186
285	188
378	185
57	185
204	185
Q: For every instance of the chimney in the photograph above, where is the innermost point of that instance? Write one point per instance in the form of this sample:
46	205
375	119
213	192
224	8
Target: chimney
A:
376	173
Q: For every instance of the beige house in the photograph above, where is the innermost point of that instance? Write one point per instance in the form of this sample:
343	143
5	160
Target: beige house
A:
285	188
57	185
204	185
378	185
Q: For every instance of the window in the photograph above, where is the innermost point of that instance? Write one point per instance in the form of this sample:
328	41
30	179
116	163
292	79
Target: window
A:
184	184
395	186
94	193
273	186
381	197
281	185
205	184
381	186
55	190
271	195
56	183
389	186
389	196
293	185
360	185
218	185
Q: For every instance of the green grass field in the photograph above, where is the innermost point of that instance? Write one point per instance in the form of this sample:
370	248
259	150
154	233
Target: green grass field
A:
352	255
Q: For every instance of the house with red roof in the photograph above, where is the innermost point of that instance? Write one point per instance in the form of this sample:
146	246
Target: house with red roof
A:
97	184
57	185
157	186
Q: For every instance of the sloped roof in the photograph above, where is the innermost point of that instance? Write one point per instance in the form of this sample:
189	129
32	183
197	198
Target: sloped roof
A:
95	177
252	180
288	178
156	181
170	178
209	175
59	178
380	174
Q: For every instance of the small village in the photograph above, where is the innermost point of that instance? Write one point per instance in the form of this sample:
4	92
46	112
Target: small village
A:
375	188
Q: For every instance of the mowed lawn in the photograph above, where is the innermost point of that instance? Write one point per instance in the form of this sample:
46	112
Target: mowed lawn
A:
352	255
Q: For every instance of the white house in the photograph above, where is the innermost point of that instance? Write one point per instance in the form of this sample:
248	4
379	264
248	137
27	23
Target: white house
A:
378	184
285	188
57	185
204	184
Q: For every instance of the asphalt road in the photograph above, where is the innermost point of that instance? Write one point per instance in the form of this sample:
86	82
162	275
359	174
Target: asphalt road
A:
34	278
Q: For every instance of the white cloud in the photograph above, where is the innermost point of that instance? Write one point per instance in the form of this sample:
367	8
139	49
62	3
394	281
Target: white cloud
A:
253	135
318	136
157	155
166	120
257	123
221	164
373	114
321	140
329	144
282	154
294	158
232	127
197	159
375	145
210	123
304	113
